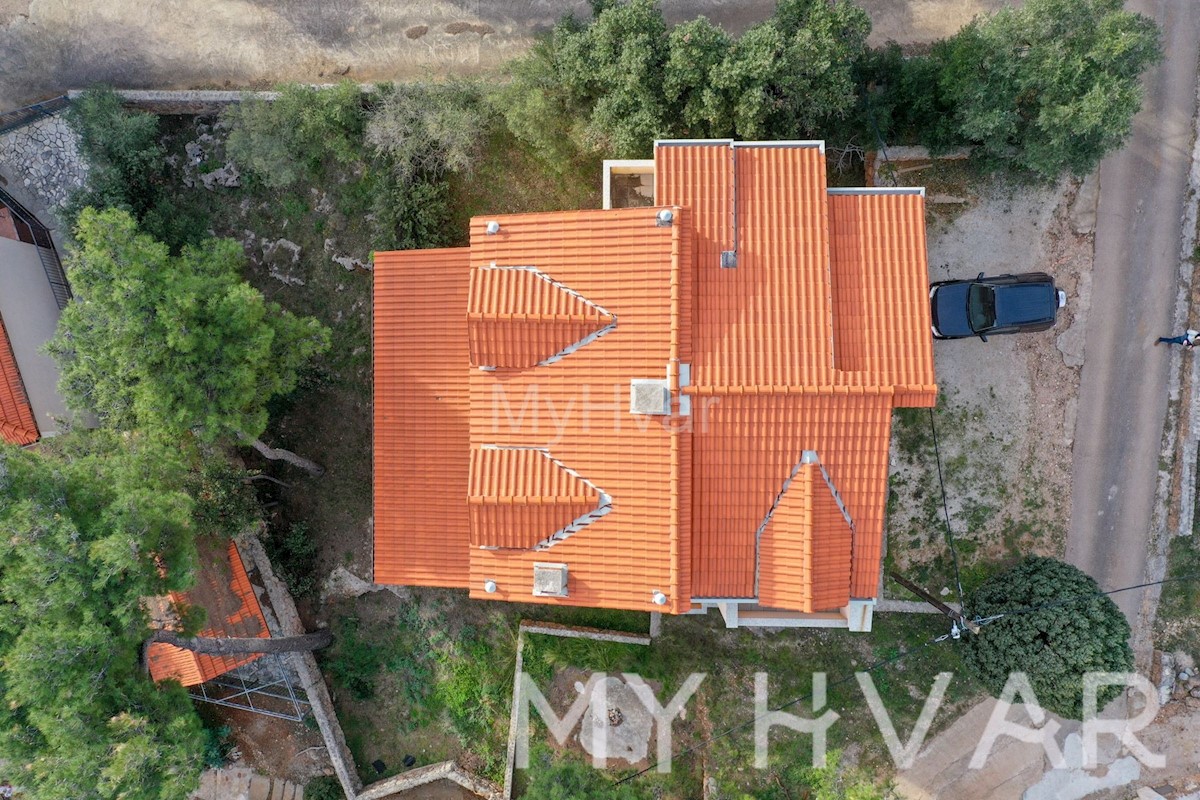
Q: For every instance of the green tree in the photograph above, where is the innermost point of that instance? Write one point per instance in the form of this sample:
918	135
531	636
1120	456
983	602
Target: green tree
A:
1061	629
1049	87
122	151
175	345
787	75
616	84
81	540
296	136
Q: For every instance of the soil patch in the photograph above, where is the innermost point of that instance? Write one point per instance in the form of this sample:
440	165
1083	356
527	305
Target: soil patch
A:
274	747
1006	415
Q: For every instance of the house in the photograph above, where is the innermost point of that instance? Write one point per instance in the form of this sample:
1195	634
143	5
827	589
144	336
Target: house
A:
223	590
673	408
33	291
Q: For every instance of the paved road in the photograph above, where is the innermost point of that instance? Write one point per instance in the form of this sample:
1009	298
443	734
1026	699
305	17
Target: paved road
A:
1123	389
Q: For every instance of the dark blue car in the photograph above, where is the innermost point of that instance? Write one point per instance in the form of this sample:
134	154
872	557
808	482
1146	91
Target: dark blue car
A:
1002	304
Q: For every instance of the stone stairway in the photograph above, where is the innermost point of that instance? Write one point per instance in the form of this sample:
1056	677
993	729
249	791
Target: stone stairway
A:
242	783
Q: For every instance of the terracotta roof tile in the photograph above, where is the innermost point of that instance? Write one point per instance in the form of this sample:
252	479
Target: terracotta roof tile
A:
523	497
223	589
17	425
577	408
422	442
746	451
878	264
807	344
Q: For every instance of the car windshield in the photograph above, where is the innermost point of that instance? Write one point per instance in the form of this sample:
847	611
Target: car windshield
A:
981	307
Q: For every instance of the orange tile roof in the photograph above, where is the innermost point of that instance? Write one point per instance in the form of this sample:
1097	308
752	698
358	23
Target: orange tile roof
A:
576	406
17	425
877	250
223	590
422	436
804	544
504	432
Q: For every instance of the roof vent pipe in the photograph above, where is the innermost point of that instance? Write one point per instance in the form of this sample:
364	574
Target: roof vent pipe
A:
664	218
493	228
659	599
489	587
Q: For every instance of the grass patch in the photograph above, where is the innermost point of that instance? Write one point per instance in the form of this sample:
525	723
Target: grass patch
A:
1178	622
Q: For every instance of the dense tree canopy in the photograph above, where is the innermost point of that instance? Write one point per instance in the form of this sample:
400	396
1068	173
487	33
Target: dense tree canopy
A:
172	345
1048	87
82	535
625	78
1054	645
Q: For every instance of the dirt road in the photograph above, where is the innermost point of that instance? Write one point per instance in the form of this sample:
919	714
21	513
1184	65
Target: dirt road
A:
1123	389
47	46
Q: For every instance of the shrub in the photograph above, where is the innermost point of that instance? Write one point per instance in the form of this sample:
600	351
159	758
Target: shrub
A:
1061	630
428	128
626	78
122	151
216	742
411	214
295	137
324	788
1050	87
293	552
354	662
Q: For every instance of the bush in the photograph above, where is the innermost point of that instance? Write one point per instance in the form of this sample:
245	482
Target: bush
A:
293	552
411	214
1061	630
1050	87
296	137
324	788
428	128
216	743
127	169
354	662
122	152
616	84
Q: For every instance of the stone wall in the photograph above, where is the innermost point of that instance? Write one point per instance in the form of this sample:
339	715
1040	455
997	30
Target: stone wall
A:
422	776
305	665
41	160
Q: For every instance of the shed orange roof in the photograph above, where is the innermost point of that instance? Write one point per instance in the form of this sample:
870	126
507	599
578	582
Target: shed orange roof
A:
693	405
17	425
223	590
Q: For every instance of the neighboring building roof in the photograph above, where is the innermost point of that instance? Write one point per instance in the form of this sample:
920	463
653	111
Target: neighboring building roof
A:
223	590
17	425
516	385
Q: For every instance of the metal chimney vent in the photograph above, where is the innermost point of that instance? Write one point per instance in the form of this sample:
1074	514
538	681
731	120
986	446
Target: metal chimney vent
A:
549	580
649	396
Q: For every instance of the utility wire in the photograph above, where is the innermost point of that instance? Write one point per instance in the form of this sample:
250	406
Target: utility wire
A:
962	598
981	621
883	662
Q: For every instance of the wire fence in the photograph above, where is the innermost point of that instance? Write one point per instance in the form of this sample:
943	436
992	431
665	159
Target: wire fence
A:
31	230
11	120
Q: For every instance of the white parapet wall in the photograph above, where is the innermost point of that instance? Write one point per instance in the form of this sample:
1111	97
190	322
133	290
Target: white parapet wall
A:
627	166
